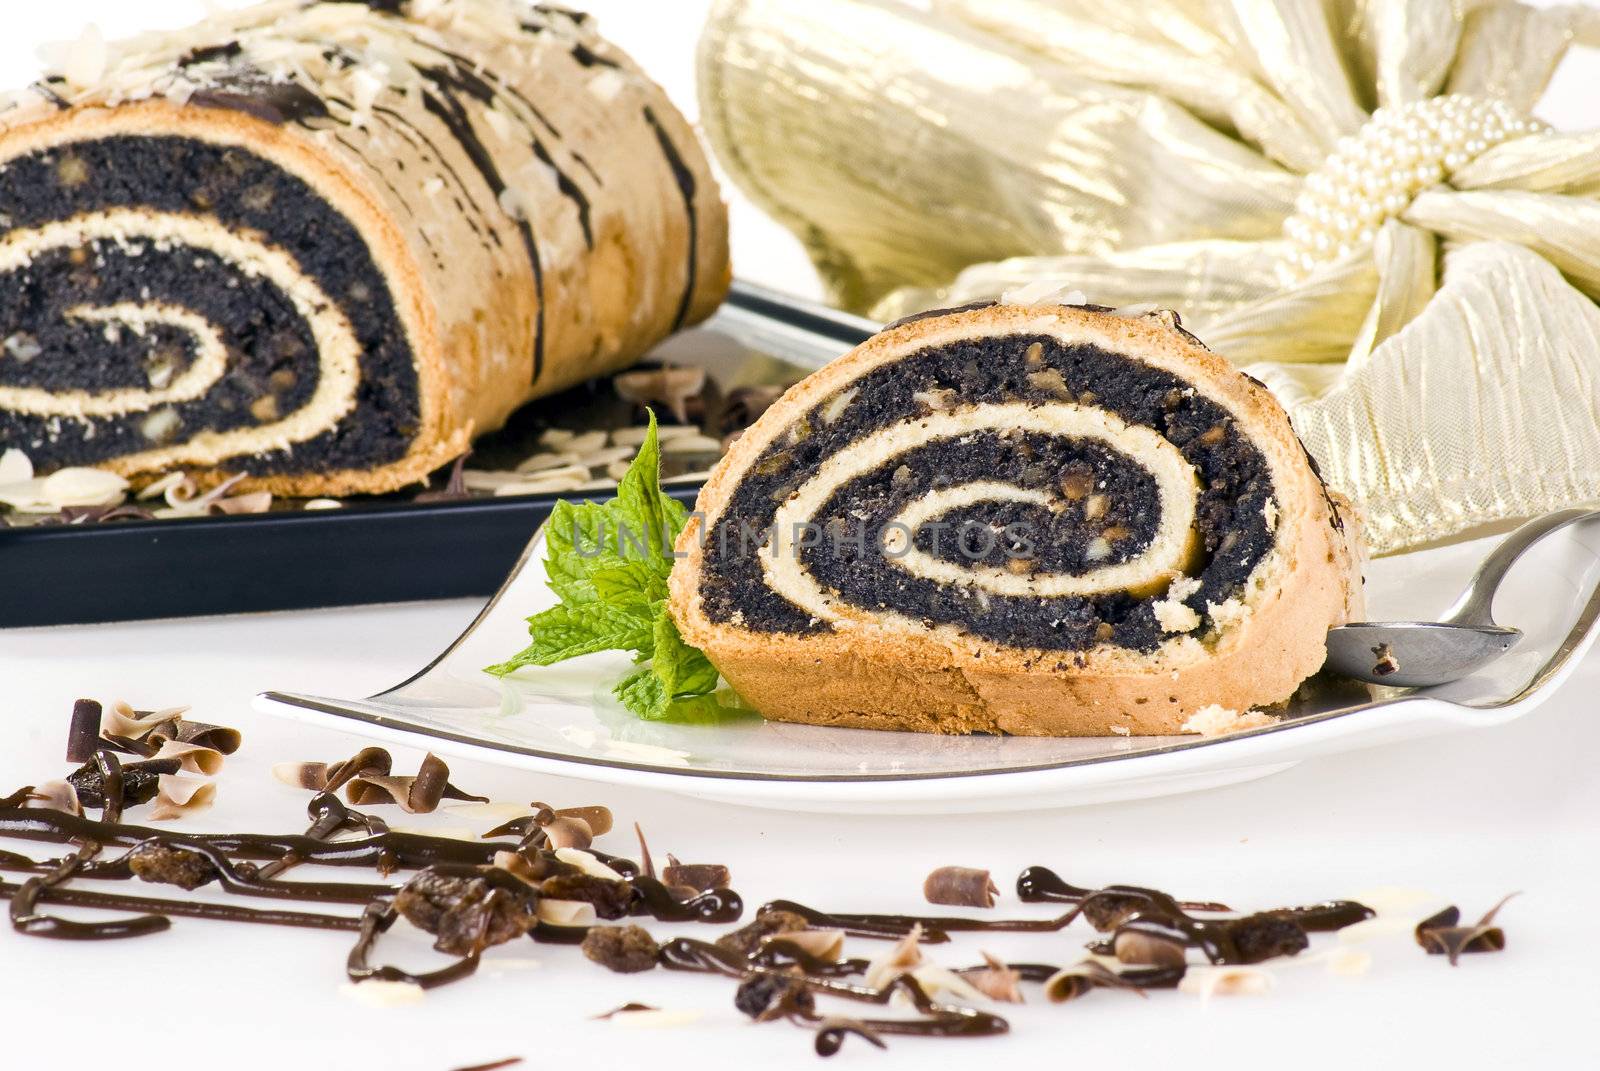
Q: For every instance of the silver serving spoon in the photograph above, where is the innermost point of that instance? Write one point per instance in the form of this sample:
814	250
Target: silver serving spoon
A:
1419	654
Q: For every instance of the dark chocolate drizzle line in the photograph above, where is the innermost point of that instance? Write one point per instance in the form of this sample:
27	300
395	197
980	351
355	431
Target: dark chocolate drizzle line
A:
375	921
1041	885
197	909
444	106
686	185
411	850
486	93
25	916
942	1020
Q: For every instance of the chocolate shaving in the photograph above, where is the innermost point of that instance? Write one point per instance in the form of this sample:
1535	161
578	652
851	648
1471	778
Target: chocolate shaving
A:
191	758
178	796
563	832
420	794
455	487
56	795
494	1065
1443	935
959	886
122	720
84	731
669	386
1076	981
623	949
998	981
701	877
218	738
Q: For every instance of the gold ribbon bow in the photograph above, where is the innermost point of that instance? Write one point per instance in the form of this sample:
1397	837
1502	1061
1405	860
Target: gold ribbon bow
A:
1346	197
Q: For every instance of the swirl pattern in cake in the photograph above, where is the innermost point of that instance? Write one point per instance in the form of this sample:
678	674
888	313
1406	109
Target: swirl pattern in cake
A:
1018	518
325	244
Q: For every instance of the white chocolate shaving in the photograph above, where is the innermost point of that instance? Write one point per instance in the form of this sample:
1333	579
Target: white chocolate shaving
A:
57	796
567	912
177	796
192	758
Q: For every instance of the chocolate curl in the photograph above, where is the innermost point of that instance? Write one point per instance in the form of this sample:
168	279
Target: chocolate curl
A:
1072	982
414	795
191	758
1147	949
1442	934
998	981
960	886
307	775
178	796
218	738
701	877
122	720
84	731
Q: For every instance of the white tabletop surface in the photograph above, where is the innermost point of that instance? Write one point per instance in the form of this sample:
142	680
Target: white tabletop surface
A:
1468	818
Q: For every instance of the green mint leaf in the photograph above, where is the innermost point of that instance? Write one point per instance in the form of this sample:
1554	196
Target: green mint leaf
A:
609	563
643	693
564	632
683	669
635	585
639	502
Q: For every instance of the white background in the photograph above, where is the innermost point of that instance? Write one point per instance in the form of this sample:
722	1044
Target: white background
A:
1469	818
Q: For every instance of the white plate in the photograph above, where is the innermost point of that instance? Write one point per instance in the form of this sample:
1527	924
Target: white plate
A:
562	720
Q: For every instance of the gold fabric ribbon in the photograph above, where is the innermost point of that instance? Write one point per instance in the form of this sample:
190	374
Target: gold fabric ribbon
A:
1343	196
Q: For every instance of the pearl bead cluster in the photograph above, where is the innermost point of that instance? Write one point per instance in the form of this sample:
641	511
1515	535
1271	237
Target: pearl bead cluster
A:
1373	174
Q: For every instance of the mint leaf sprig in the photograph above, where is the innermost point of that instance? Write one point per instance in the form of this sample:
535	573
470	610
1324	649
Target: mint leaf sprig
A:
609	563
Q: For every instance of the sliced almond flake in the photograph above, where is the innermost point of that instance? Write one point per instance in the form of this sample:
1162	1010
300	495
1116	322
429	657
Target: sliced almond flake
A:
588	863
177	796
158	488
377	993
192	758
1207	982
15	467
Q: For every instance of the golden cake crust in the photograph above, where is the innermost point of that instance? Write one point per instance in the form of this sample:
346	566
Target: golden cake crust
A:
650	250
863	676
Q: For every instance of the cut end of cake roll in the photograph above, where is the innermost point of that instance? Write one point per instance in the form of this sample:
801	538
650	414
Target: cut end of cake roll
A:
1028	519
326	244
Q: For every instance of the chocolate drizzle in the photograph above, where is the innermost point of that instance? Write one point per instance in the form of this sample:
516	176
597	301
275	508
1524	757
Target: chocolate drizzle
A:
443	105
687	186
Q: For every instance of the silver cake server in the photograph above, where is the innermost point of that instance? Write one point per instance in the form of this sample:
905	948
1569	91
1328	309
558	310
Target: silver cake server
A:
1418	654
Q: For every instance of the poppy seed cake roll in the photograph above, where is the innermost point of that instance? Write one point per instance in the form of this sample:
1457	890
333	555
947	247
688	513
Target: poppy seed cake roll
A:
325	244
1028	519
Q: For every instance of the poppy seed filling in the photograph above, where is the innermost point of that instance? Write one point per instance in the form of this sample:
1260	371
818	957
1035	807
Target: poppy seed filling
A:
56	310
1082	504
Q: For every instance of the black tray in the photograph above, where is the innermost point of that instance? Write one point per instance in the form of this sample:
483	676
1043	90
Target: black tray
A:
371	551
